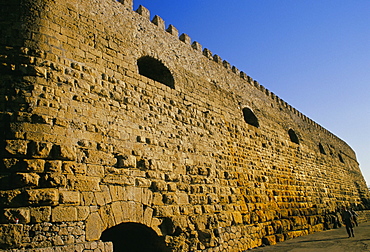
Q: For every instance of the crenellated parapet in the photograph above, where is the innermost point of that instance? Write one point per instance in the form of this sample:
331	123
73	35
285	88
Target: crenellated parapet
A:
246	79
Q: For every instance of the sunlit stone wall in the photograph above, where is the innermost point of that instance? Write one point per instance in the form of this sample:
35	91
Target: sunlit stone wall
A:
109	117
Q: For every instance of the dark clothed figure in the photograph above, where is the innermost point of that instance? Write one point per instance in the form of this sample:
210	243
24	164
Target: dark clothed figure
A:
354	217
347	219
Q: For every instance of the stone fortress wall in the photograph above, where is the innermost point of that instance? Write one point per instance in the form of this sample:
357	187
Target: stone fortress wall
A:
114	126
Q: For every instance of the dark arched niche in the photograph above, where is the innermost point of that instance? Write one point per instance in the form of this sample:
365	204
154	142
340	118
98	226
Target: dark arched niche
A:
134	237
250	117
293	136
321	148
155	70
340	158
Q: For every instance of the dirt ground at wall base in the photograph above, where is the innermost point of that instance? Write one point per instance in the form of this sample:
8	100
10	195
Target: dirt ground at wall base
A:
334	240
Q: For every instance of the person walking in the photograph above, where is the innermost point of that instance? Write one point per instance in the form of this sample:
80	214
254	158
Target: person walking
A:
354	217
347	219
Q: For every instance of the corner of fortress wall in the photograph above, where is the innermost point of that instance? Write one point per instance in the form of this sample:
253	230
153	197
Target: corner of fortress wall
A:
114	123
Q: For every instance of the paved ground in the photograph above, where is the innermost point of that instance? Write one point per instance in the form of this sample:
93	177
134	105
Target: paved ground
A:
335	240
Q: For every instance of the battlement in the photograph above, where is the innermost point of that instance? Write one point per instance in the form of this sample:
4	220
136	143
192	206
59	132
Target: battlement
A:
171	29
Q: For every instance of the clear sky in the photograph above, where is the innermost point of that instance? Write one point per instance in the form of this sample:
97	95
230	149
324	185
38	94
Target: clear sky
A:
315	55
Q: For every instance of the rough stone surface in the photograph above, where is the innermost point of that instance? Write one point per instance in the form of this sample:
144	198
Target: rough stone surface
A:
109	120
94	227
11	235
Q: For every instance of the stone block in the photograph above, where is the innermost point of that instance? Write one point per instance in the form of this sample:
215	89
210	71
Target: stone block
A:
132	211
159	186
148	216
142	182
157	199
147	197
269	230
40	214
57	241
117	211
155	225
163	211
100	158
208	208
71	167
279	237
82	212
103	197
63	213
108	246
16	215
285	224
126	161
26	179
42	197
16	147
237	217
170	198
269	240
133	193
13	237
119	180
261	215
39	149
160	165
64	152
116	192
107	215
84	183
94	227
53	166
172	187
69	197
13	164
88	199
54	180
95	170
34	165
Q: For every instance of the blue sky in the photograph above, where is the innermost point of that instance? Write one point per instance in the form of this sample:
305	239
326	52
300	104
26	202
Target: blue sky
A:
315	55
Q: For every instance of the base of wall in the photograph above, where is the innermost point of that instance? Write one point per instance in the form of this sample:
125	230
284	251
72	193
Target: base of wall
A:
94	246
363	216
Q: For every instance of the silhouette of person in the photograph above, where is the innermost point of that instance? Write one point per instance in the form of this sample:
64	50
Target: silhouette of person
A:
347	219
354	216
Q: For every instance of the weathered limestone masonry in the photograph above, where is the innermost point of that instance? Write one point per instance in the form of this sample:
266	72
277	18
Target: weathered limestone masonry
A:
114	128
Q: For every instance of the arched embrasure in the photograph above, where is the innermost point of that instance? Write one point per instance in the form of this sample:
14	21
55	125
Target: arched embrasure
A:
321	148
155	70
250	117
340	158
293	136
134	237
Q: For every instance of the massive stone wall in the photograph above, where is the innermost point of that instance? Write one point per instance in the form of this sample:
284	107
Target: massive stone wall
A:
114	127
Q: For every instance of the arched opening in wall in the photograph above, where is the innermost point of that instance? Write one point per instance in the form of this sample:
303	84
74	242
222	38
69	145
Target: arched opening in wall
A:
250	117
321	148
293	136
340	158
134	237
155	70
